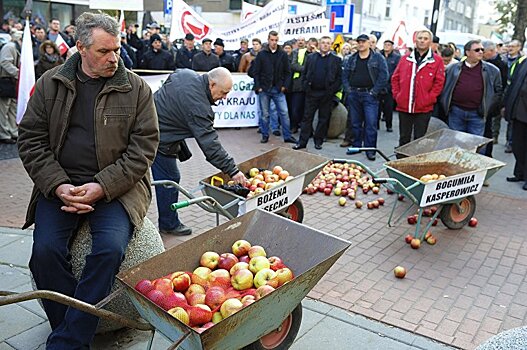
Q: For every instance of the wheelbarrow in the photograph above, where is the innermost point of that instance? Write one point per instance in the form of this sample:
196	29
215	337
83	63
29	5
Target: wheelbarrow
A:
283	199
464	173
271	322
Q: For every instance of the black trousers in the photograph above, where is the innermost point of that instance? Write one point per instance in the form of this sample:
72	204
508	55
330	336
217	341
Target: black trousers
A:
386	106
519	148
316	100
416	123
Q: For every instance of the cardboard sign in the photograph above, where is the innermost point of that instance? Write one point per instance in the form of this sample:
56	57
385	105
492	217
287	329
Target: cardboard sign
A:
453	187
275	199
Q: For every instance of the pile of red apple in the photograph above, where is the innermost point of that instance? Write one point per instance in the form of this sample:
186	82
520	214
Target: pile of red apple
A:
222	285
263	180
344	180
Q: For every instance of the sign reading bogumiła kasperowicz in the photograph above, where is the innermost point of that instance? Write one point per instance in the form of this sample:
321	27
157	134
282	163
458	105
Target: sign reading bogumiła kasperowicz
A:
453	187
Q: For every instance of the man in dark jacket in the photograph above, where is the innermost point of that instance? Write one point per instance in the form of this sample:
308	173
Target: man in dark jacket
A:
365	77
472	91
272	73
226	59
322	78
186	52
87	140
205	60
156	57
183	105
386	103
516	112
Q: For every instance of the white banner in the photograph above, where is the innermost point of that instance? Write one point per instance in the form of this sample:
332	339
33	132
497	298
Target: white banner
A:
453	187
239	109
125	5
271	17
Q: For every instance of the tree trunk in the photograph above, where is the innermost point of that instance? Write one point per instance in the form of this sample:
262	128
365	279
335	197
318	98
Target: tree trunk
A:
520	22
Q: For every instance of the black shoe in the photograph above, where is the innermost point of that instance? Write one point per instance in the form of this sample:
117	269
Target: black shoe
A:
318	146
181	230
514	179
8	141
264	139
370	156
276	133
290	140
508	149
298	147
389	129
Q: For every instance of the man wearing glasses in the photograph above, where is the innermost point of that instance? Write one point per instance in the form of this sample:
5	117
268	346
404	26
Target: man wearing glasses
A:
472	89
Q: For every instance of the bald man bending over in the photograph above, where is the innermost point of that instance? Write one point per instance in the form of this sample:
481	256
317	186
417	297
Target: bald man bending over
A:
184	110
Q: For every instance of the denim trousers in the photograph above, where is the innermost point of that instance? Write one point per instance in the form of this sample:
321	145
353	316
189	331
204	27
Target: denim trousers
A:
50	265
364	109
165	168
265	98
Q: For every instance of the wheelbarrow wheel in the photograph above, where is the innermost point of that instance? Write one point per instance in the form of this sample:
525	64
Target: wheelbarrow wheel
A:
295	211
283	337
456	216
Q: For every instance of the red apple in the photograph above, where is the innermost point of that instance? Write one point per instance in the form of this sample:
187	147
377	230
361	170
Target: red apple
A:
284	275
180	280
265	276
210	260
230	306
241	247
242	279
473	222
144	286
257	250
276	263
227	261
415	243
399	272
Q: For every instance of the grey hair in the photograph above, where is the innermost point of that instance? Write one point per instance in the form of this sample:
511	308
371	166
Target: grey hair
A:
219	75
88	21
488	45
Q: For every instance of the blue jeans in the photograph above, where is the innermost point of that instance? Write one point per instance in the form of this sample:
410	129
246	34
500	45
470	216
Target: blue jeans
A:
364	109
165	168
265	98
50	265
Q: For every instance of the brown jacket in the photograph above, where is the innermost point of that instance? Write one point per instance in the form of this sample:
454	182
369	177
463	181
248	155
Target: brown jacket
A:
126	137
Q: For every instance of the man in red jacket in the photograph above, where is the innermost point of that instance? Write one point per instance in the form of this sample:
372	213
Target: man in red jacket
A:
416	85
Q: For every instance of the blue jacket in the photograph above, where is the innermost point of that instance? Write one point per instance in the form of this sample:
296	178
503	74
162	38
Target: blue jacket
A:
377	68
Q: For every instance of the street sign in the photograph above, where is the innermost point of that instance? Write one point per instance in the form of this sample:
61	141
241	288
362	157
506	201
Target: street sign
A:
341	18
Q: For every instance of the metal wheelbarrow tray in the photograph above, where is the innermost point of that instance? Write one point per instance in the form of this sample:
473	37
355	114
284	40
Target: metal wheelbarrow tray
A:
308	252
301	165
442	139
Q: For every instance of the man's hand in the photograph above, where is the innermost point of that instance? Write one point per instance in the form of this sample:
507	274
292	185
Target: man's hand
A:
80	199
239	178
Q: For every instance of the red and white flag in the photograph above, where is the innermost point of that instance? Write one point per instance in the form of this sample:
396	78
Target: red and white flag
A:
26	74
122	23
61	44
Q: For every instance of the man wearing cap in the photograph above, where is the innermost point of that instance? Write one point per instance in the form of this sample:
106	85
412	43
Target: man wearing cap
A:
386	103
184	111
416	85
205	60
186	52
365	77
226	59
156	57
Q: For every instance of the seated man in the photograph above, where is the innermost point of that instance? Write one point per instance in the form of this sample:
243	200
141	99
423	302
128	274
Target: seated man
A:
87	140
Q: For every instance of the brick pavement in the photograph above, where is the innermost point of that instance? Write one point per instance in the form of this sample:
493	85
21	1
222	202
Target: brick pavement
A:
466	288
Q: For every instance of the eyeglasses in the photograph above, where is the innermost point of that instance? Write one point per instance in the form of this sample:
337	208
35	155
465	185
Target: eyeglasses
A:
479	49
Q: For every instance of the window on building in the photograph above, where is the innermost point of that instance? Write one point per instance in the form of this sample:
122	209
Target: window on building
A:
388	8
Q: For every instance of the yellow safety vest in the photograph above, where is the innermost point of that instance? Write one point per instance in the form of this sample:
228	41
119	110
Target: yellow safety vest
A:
300	59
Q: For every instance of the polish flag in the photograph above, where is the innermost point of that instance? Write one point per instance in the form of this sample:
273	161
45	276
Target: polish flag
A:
61	44
122	23
26	74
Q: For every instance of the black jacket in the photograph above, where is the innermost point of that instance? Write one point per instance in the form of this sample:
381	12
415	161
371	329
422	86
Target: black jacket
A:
184	111
515	92
204	63
184	57
160	60
264	72
333	75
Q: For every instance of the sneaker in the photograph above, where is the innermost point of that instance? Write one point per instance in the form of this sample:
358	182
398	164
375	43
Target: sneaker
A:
181	230
276	133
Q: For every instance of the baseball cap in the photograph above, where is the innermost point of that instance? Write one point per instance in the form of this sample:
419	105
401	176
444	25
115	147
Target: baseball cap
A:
363	37
189	36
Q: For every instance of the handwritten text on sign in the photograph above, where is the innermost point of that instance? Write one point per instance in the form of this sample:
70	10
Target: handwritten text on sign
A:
453	187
